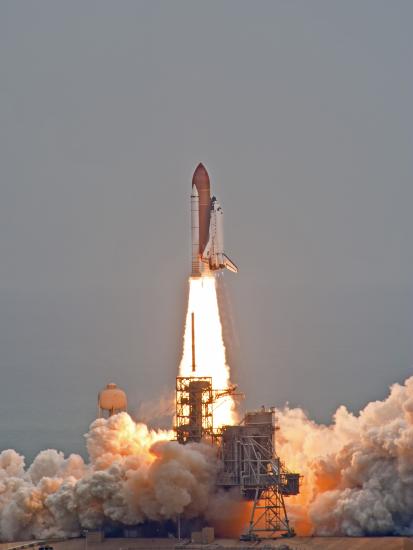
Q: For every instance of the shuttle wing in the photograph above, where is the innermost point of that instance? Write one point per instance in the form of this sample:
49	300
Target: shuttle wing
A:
230	265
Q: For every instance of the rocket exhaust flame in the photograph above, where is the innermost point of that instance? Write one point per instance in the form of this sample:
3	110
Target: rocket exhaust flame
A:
203	320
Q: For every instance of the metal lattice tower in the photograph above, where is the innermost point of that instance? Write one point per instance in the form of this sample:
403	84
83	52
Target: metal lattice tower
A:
250	462
194	401
269	518
270	508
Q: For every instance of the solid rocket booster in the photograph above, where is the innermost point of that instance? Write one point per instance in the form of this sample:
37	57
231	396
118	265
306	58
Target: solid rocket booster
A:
207	228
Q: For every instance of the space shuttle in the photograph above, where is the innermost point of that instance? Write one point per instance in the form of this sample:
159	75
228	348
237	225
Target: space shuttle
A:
207	228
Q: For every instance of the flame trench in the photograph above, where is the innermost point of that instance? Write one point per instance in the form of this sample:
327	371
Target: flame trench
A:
209	345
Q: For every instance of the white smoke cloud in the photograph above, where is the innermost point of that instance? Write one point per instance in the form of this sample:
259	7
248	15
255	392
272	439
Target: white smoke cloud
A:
134	474
358	477
358	472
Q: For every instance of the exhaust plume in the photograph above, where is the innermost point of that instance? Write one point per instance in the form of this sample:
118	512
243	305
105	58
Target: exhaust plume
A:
209	345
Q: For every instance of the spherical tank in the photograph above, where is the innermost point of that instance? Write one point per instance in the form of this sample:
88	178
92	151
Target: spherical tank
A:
112	399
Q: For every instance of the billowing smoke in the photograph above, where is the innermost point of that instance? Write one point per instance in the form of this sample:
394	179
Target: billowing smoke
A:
134	474
357	477
358	472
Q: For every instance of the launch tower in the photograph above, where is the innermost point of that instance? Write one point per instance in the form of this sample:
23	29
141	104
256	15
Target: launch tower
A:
194	400
251	464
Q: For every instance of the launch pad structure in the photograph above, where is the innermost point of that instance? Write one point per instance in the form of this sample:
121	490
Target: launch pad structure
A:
250	463
246	451
195	400
247	454
194	413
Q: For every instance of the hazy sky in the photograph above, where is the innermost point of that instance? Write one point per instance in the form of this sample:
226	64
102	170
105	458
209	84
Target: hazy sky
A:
302	113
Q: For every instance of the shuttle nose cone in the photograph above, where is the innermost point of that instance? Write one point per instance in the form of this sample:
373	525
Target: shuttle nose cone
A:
200	178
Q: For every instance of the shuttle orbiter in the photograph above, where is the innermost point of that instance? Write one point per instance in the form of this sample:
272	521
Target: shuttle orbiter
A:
207	228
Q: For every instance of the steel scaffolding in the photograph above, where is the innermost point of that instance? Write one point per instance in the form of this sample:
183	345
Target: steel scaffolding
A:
194	401
194	416
250	463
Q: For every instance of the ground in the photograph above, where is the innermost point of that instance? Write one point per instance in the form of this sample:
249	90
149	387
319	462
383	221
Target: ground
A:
297	543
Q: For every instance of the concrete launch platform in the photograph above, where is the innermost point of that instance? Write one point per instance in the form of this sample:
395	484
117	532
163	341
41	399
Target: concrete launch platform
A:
296	543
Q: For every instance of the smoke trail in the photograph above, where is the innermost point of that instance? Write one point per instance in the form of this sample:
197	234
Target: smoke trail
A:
358	472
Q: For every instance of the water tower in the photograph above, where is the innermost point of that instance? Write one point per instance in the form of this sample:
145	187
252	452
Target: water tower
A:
111	400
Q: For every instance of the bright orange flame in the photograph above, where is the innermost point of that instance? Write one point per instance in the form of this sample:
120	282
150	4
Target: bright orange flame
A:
209	345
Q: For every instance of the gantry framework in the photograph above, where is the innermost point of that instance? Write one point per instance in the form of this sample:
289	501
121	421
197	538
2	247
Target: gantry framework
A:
247	452
194	413
195	401
269	518
250	463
